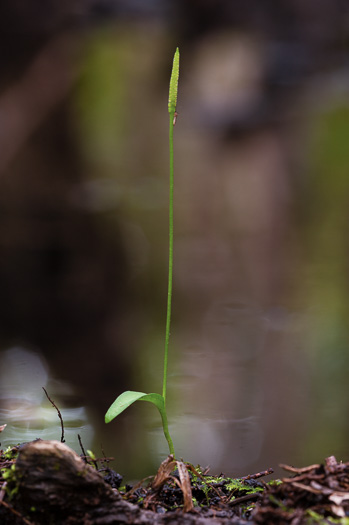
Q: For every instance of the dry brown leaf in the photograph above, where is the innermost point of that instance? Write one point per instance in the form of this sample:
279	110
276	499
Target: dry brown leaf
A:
185	486
164	472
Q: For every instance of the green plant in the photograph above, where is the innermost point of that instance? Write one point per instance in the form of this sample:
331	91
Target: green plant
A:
129	397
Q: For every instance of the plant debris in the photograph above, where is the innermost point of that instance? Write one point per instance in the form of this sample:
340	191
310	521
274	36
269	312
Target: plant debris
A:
182	487
36	478
314	494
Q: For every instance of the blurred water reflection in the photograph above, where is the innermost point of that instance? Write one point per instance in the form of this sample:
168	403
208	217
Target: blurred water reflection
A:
25	408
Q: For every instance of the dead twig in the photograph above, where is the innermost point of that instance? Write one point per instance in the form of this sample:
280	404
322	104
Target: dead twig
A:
258	474
16	513
307	488
299	470
303	477
130	493
82	449
58	412
246	497
85	456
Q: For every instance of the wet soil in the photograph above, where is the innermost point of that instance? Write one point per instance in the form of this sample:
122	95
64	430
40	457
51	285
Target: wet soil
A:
45	482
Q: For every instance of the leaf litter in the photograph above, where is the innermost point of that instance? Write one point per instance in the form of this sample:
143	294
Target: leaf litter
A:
314	494
317	493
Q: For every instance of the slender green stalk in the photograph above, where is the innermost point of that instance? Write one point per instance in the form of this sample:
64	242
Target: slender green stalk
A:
172	102
163	415
170	260
129	397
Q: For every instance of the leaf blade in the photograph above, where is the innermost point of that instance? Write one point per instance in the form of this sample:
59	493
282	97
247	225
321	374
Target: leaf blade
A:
120	404
129	397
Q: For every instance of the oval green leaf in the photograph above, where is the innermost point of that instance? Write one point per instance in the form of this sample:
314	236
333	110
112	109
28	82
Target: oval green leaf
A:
128	398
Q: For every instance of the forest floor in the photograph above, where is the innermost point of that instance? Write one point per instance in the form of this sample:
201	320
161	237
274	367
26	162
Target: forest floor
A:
46	483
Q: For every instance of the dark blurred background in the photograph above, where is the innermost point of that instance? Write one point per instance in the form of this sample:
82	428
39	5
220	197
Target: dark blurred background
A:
259	351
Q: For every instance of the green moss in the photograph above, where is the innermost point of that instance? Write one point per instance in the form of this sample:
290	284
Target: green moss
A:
10	476
313	518
8	473
234	485
10	453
